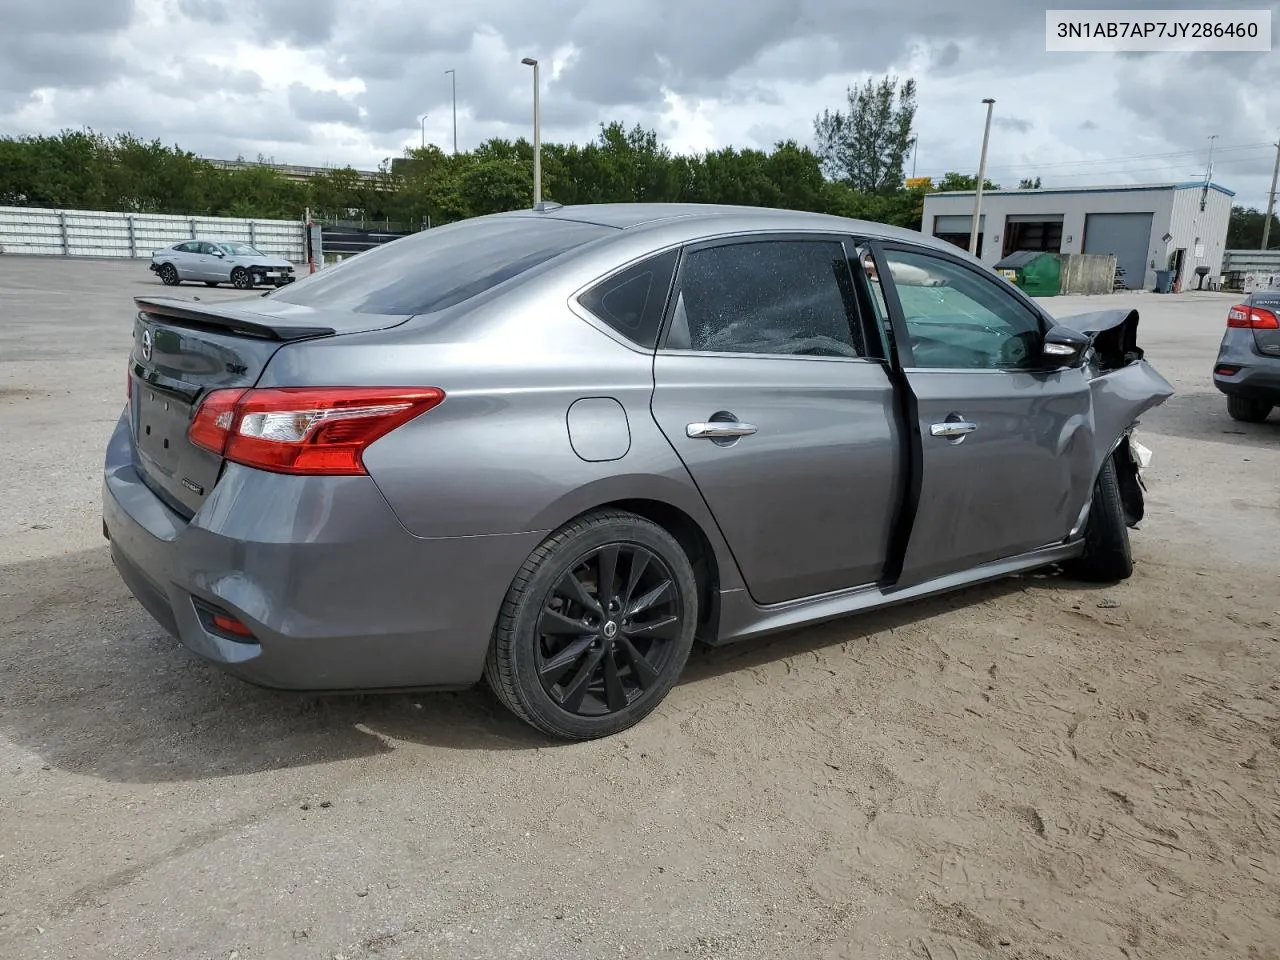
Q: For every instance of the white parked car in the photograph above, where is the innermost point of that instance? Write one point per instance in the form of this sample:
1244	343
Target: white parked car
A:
220	262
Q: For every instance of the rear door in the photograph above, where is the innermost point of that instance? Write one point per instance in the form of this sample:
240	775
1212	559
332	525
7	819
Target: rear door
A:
186	259
780	405
1005	444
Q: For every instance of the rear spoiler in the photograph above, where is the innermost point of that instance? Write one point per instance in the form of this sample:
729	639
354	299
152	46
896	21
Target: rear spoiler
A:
228	318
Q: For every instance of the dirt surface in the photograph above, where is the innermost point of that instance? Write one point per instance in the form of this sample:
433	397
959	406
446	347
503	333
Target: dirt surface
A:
1030	769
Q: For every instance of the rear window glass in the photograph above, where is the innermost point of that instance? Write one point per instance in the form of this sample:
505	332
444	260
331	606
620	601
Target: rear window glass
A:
440	267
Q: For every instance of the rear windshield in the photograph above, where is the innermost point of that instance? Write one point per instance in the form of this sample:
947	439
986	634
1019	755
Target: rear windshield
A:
440	267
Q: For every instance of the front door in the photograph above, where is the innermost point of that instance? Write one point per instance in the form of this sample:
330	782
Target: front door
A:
208	265
1005	444
780	405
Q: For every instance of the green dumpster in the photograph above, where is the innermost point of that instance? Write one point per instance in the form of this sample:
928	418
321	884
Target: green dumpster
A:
1038	273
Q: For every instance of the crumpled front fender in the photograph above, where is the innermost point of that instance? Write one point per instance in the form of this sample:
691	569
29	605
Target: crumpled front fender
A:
1119	398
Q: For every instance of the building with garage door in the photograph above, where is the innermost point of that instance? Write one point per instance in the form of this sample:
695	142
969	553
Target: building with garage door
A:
1148	227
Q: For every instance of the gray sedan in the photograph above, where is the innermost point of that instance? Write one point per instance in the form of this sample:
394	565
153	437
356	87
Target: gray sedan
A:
553	448
212	263
1248	366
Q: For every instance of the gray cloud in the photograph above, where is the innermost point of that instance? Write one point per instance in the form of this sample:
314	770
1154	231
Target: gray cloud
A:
303	23
321	106
206	11
1017	124
59	44
202	77
753	73
67	17
948	56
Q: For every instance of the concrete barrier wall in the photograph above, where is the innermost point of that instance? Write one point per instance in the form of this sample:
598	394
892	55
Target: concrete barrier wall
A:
91	233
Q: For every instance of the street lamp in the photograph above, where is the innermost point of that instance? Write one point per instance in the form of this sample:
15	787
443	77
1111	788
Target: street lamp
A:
453	74
423	120
982	175
537	134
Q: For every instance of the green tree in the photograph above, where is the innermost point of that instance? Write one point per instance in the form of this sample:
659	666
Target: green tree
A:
865	147
85	170
962	181
1025	184
494	186
1244	230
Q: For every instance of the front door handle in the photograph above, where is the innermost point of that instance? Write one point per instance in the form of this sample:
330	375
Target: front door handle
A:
953	428
719	430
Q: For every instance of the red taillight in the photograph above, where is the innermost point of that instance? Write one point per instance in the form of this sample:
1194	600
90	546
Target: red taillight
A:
231	625
211	425
1252	318
305	430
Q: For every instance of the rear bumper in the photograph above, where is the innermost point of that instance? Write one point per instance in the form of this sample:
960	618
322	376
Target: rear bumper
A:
1252	382
1256	376
338	595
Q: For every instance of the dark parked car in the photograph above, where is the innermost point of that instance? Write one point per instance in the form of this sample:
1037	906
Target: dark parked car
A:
1248	365
554	447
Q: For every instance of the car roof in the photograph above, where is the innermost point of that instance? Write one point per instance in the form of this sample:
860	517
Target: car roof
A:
710	218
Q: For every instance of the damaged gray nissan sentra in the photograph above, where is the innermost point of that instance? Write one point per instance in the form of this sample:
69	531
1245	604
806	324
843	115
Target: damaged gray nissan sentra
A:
553	448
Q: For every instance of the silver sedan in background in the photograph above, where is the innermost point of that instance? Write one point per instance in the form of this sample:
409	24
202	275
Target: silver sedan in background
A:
552	448
215	262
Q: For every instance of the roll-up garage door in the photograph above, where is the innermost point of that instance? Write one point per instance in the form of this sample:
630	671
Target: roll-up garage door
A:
1126	235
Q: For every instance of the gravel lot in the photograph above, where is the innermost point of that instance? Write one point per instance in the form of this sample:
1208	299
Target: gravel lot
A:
1028	769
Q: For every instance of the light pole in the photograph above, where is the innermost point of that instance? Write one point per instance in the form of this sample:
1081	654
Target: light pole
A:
982	175
1271	200
537	134
423	121
453	75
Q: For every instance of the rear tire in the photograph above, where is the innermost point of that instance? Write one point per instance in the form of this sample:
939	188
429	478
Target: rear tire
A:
240	279
1107	557
578	660
1248	411
169	275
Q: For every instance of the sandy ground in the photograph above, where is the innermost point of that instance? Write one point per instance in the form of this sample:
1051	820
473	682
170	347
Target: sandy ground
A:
1030	769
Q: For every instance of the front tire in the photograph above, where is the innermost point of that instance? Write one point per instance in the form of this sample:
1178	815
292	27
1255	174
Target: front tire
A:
240	279
1246	410
595	628
168	275
1107	557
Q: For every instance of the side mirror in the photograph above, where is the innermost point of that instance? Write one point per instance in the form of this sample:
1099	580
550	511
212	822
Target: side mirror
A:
218	253
1064	347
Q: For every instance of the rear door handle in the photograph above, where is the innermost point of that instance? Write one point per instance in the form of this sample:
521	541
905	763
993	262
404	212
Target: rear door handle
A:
719	429
953	428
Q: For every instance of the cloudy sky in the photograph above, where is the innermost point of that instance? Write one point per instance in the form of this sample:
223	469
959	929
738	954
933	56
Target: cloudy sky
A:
329	83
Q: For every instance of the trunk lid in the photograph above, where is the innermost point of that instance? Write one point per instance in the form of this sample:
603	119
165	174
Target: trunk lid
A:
182	350
1267	341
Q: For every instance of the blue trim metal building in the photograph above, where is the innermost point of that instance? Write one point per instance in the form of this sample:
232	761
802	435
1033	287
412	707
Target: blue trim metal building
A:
1148	227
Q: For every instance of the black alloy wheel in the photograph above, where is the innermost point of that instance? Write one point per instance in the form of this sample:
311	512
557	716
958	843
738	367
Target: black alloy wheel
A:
168	274
240	279
595	628
607	630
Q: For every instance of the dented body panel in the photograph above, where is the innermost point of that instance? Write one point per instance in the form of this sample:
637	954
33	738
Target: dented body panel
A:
804	485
